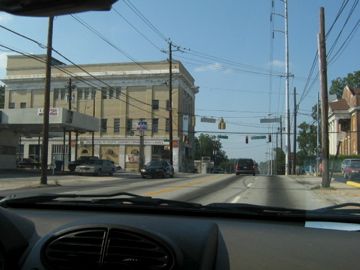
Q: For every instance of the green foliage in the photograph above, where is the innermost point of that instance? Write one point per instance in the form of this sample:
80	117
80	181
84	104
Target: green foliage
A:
280	161
352	80
206	145
306	140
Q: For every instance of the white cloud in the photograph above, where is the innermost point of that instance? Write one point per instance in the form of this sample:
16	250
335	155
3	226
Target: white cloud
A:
213	67
278	63
5	17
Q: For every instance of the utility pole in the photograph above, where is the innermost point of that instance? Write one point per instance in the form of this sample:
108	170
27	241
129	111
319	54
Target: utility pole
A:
281	133
69	107
287	109
324	102
92	133
45	144
170	105
295	127
317	135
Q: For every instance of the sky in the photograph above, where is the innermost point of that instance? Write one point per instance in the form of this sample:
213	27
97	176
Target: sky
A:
230	47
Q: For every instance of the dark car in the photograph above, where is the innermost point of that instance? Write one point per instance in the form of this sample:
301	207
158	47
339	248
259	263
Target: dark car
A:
352	169
245	166
80	161
28	163
158	168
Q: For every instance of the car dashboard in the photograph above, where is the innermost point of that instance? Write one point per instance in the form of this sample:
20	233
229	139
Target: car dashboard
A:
81	239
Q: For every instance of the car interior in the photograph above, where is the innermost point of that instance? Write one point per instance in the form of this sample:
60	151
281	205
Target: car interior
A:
51	236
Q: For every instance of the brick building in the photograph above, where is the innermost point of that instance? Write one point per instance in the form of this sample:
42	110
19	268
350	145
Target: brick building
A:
344	123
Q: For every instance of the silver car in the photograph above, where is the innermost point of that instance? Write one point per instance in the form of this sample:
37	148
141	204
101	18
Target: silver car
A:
96	167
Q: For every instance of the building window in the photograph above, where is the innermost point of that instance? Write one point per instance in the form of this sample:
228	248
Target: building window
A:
93	93
155	104
56	93
12	105
117	92
129	125
86	93
111	93
103	125
62	94
104	93
155	125
80	93
168	105
116	125
22	105
167	125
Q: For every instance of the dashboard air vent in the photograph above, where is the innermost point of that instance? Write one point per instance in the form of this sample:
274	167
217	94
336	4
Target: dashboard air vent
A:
133	250
107	249
76	250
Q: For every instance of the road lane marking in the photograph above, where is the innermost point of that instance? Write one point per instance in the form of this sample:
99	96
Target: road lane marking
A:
249	185
236	199
353	184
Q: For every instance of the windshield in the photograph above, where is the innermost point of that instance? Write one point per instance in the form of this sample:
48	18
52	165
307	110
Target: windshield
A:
232	94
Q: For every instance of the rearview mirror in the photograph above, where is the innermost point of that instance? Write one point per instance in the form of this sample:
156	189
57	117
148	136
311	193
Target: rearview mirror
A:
46	8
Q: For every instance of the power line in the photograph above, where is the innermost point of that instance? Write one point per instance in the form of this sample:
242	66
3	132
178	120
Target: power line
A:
136	29
145	20
101	36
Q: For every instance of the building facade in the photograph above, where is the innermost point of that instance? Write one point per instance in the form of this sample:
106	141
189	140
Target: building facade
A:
124	96
344	123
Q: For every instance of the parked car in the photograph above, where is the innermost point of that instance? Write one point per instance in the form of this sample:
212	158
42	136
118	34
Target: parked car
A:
352	169
157	168
245	166
28	163
96	167
81	160
347	162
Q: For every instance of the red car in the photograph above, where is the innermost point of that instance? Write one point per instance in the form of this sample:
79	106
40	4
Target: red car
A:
352	170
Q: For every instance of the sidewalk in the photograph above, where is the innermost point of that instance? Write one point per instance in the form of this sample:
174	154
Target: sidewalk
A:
337	193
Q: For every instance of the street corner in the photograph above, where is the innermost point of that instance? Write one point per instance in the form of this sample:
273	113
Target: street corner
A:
353	183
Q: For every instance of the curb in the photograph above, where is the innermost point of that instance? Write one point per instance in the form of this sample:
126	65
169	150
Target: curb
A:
353	184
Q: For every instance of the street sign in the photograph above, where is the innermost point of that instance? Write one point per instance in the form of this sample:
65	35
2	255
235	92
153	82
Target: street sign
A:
223	137
207	120
270	120
142	125
258	137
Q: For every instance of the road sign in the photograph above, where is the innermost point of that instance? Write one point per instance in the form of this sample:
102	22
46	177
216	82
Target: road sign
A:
270	120
258	137
223	137
207	120
142	125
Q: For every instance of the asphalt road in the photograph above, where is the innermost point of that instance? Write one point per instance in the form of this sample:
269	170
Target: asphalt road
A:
261	190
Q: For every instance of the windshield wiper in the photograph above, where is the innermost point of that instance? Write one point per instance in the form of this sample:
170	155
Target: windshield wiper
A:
353	208
113	199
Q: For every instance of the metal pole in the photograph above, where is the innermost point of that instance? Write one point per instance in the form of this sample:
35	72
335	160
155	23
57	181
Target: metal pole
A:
69	107
76	144
281	133
141	154
287	154
45	148
295	127
63	150
170	105
324	102
93	133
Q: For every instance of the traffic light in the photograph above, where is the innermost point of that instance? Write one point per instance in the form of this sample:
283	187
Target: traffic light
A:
246	139
269	138
222	124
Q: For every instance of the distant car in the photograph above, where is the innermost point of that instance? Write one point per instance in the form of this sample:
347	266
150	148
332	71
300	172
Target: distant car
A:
81	160
28	163
218	170
347	162
352	169
96	167
157	168
245	166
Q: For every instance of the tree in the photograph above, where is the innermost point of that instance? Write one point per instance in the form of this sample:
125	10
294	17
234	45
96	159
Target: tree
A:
307	141
338	85
280	161
210	146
